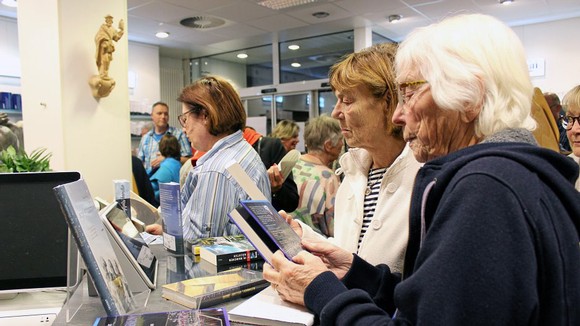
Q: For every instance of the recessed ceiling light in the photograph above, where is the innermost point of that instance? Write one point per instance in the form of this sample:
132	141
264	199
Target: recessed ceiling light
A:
394	18
283	4
294	47
242	55
321	14
296	64
10	3
505	2
162	34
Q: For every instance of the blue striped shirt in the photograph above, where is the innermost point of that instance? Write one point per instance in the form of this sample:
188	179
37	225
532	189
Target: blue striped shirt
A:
210	192
149	147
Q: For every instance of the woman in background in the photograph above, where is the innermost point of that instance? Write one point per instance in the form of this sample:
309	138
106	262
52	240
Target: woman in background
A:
571	123
288	132
213	118
316	181
169	168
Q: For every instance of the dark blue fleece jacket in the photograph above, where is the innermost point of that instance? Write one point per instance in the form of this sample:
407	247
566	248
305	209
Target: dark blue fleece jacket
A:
494	240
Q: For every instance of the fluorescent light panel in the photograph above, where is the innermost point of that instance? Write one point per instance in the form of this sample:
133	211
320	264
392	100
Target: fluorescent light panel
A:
283	4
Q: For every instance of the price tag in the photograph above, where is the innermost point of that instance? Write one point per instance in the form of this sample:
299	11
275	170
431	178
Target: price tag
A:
145	257
169	242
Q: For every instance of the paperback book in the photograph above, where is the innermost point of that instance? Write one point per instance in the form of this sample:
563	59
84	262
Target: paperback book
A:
212	269
267	308
206	291
227	250
122	189
203	317
170	206
266	229
93	243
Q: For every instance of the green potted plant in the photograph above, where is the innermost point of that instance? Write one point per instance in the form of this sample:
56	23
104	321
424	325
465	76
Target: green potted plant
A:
18	161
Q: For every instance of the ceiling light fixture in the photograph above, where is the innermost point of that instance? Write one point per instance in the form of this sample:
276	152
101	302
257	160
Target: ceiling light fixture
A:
242	55
10	3
293	47
321	14
283	4
505	2
394	18
162	34
296	64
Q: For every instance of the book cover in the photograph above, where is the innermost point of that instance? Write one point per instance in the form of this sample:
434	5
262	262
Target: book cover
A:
201	292
212	269
170	207
227	250
131	245
266	229
203	317
91	238
142	211
122	189
267	308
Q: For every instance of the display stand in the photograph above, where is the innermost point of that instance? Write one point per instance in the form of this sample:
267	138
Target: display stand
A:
79	289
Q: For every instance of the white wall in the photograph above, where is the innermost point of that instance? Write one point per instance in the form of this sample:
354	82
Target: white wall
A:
57	53
144	66
559	44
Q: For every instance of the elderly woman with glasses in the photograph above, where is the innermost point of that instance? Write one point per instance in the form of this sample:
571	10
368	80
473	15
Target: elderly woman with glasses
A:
571	122
494	219
213	118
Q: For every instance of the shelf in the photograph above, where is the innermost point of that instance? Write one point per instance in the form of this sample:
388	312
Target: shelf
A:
140	117
11	112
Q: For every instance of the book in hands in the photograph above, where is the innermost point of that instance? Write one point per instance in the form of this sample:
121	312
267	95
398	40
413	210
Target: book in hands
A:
266	229
206	291
227	250
288	162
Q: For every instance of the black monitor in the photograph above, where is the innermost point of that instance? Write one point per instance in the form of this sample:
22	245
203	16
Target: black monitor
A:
35	239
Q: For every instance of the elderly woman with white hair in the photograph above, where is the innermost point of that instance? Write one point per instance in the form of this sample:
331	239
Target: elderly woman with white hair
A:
494	219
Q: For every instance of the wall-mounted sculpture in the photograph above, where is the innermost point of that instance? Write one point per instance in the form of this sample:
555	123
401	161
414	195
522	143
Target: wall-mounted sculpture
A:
102	84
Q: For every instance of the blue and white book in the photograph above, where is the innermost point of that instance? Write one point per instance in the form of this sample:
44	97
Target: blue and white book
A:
170	207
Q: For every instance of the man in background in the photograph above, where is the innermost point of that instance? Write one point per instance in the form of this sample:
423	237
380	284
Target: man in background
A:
149	146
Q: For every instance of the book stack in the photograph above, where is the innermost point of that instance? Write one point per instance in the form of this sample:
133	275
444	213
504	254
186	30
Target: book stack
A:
227	250
206	291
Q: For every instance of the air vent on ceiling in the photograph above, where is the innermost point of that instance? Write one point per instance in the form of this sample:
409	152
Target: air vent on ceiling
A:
202	22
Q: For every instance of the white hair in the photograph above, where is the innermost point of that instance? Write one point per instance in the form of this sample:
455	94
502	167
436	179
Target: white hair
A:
472	61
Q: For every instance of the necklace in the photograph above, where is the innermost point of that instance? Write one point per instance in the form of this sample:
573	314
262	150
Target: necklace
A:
372	174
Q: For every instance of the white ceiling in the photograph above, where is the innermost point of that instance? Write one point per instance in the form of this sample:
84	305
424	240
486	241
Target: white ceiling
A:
249	24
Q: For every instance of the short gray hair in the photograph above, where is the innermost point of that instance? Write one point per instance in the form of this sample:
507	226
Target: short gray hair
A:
320	129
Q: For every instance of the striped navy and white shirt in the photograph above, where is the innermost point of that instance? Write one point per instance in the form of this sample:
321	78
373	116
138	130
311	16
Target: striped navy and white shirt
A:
374	184
210	192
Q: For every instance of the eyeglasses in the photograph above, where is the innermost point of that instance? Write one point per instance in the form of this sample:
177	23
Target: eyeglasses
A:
182	118
568	121
406	94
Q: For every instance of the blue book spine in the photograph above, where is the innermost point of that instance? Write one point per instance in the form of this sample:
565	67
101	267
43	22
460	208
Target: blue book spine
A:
170	204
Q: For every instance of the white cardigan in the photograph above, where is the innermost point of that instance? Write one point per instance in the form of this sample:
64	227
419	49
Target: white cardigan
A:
385	241
574	157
